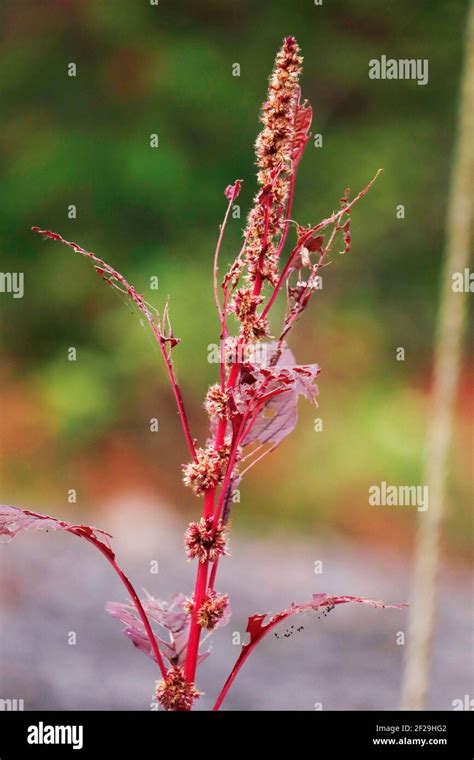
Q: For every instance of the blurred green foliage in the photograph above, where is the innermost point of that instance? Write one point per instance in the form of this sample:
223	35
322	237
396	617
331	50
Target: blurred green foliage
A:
84	140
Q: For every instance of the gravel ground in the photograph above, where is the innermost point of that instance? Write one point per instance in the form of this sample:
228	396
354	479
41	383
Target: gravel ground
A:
51	585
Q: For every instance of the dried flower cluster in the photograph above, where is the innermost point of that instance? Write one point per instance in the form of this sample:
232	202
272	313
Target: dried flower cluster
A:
211	611
273	150
244	306
205	541
207	470
174	692
216	403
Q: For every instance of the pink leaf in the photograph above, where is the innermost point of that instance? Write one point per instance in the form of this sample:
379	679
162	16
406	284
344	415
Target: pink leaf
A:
277	419
257	628
134	628
170	616
14	520
278	416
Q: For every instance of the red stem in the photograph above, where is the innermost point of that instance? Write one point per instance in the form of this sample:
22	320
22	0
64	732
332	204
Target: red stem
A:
228	474
228	684
216	259
212	577
180	404
257	286
195	628
246	651
202	571
291	194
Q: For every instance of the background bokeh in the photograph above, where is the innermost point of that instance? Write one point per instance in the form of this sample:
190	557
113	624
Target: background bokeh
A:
167	69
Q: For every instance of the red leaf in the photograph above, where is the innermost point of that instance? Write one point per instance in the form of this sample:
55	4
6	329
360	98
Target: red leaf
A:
278	416
169	616
231	192
257	628
315	243
14	520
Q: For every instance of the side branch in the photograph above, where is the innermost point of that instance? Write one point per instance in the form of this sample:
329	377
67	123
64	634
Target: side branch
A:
112	277
334	218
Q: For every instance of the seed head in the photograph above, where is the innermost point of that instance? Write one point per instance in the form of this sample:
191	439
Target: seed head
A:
207	471
216	402
211	610
244	306
274	143
273	149
245	303
174	692
201	541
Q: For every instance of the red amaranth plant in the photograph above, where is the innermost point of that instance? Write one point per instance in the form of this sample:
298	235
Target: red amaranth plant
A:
251	408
